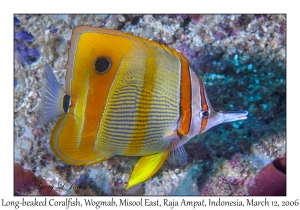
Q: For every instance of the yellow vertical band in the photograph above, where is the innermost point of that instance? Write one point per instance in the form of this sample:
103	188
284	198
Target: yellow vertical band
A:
144	106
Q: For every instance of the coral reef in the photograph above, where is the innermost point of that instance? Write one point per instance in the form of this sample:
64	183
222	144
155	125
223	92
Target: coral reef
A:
240	58
235	175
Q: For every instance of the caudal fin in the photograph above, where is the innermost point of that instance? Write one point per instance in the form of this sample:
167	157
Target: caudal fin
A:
51	98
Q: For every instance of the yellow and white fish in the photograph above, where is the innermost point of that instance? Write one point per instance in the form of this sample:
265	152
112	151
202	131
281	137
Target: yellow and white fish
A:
126	95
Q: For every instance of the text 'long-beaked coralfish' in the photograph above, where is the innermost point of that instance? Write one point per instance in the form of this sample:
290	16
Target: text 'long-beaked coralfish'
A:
126	95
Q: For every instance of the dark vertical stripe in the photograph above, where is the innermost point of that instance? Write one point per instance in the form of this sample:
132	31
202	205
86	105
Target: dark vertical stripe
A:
204	106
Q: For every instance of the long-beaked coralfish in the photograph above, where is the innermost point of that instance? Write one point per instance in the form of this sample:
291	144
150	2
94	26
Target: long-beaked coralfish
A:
126	95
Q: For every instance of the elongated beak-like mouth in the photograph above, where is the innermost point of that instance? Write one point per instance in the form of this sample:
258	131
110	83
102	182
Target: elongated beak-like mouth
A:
229	116
216	118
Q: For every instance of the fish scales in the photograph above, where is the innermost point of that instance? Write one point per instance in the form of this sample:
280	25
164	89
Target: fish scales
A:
147	75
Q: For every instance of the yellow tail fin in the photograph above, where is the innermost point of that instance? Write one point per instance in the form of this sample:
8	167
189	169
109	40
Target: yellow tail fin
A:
146	167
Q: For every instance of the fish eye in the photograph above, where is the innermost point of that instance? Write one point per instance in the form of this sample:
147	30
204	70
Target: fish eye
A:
102	64
204	113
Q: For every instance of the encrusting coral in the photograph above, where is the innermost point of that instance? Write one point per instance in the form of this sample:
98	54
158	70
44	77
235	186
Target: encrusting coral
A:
25	181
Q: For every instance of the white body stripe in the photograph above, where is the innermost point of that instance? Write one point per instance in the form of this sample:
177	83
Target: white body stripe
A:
83	111
196	100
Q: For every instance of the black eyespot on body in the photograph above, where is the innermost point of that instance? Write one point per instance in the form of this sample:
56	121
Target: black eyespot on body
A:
66	103
205	114
102	64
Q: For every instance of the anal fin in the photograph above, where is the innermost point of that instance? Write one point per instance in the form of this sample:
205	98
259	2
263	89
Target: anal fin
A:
146	167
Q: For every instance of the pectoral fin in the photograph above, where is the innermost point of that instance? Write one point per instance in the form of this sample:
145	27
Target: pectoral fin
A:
146	167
